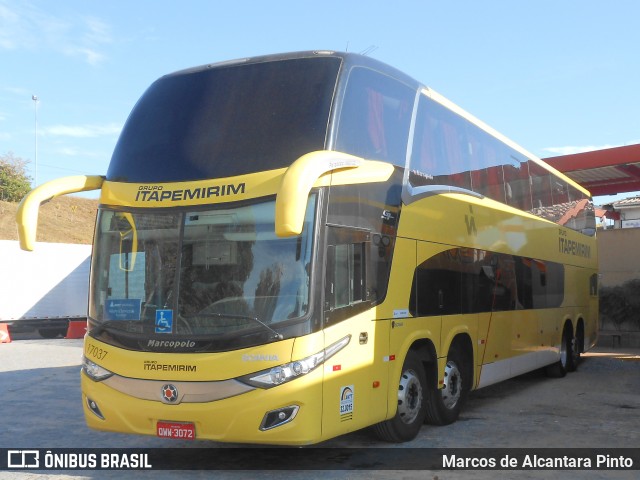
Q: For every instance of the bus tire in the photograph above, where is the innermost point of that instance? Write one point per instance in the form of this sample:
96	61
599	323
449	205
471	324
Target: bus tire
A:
577	346
409	417
565	362
574	355
445	404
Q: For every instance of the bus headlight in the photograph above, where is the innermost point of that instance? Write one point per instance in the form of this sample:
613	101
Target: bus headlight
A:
289	371
94	371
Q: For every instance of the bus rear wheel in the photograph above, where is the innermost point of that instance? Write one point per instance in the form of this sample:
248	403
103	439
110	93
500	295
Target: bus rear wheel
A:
566	361
444	404
409	417
577	347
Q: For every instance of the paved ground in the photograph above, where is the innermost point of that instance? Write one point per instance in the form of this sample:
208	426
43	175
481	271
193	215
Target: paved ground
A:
596	407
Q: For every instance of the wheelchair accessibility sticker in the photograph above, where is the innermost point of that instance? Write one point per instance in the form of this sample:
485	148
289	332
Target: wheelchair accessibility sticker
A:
164	321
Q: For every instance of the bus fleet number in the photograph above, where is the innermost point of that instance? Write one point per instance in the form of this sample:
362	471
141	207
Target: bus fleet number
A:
96	352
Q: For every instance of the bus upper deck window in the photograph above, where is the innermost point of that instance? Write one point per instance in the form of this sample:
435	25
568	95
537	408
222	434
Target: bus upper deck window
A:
375	117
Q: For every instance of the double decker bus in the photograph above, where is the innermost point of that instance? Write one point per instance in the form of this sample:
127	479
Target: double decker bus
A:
292	247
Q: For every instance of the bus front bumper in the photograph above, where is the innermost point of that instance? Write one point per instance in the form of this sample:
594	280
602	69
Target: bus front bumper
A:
294	408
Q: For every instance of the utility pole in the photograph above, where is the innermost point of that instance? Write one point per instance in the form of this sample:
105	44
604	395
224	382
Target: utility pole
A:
35	138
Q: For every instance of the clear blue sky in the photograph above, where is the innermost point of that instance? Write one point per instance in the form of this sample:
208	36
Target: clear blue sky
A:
556	76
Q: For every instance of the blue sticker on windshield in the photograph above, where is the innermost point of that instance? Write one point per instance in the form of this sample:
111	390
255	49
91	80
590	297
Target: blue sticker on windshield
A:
164	321
122	309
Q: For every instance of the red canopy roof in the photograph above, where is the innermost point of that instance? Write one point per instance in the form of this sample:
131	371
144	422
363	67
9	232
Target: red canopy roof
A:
603	172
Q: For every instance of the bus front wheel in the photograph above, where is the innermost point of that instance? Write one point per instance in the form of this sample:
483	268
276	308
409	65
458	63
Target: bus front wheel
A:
409	417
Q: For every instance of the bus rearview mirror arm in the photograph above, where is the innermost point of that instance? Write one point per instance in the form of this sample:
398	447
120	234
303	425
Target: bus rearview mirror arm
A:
27	214
306	172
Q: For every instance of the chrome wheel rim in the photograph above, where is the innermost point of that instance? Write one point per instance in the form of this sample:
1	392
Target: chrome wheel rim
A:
563	351
452	385
409	396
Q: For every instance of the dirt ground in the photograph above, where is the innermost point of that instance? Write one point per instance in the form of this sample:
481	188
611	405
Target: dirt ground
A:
65	219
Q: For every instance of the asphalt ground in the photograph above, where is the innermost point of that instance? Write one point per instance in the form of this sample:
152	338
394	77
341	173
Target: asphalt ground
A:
596	407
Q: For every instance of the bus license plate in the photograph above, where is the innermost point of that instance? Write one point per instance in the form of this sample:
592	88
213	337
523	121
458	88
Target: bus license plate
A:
178	430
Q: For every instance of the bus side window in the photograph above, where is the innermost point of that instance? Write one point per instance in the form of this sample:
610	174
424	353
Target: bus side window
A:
375	117
348	279
346	286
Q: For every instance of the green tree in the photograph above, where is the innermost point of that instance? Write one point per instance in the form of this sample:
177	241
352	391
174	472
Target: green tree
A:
14	181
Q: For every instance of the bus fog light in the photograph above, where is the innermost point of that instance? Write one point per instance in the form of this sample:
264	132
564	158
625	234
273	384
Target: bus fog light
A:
275	418
93	406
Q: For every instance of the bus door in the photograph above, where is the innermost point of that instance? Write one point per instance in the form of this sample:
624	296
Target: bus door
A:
353	393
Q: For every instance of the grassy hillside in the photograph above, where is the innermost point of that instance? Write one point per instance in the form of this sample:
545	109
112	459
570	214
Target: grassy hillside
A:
65	219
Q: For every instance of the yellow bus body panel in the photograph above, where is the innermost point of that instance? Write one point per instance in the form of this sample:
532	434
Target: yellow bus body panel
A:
356	379
526	339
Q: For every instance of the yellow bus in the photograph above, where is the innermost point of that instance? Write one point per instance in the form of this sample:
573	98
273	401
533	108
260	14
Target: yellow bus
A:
292	247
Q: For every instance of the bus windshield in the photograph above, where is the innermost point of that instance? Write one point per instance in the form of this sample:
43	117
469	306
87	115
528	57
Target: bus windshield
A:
220	278
226	121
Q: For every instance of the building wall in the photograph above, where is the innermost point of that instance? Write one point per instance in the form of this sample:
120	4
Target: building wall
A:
618	256
619	264
629	217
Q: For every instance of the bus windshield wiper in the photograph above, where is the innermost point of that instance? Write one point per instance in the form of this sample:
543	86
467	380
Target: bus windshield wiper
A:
276	335
102	326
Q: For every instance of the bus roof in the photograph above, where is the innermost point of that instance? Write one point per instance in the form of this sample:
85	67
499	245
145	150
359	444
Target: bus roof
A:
351	60
348	61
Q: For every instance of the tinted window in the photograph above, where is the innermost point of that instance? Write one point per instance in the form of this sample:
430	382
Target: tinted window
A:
375	117
350	276
374	207
440	154
467	280
226	121
450	151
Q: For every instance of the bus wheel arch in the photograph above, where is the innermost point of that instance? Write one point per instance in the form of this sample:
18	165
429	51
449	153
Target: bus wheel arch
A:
412	395
445	404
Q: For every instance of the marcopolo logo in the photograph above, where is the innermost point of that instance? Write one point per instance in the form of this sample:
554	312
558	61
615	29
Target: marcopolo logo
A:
171	343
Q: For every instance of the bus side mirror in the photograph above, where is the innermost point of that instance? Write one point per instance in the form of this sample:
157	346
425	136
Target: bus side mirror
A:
128	244
302	175
27	214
